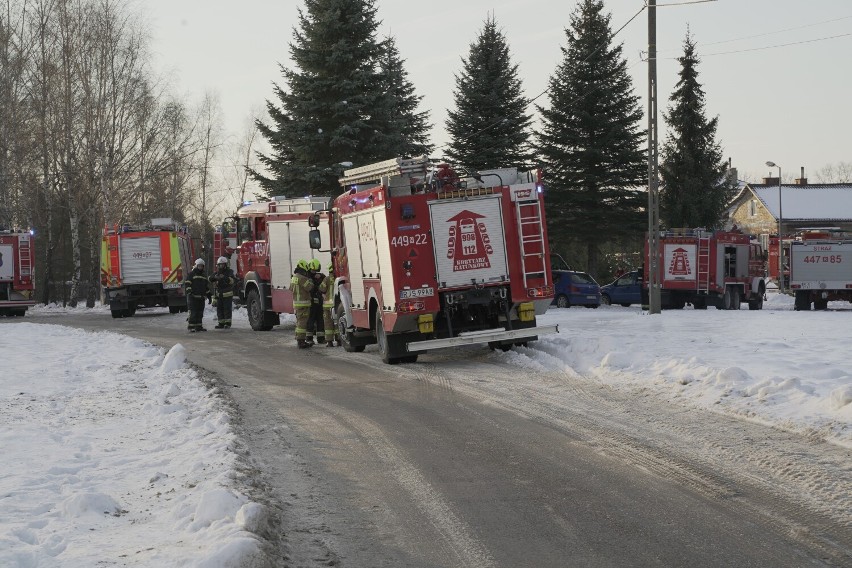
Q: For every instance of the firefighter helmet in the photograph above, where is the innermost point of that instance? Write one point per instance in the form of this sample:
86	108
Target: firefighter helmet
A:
314	264
303	264
199	262
222	260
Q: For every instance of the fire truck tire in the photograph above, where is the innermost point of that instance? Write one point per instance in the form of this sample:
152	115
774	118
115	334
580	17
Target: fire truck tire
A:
756	303
802	302
736	301
345	336
388	350
256	315
726	300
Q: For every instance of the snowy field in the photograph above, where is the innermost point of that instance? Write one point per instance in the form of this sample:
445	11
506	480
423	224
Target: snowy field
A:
113	448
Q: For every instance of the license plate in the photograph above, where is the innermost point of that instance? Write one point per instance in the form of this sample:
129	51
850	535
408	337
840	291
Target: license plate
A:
170	285
416	293
591	297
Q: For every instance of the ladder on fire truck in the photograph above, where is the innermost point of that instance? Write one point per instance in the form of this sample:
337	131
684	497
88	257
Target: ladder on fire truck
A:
531	236
25	259
393	167
703	272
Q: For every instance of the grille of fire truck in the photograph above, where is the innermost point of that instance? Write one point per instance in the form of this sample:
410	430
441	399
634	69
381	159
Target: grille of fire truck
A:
531	235
703	273
25	261
394	167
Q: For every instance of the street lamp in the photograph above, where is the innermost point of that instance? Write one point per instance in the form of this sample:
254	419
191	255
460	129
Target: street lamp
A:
780	244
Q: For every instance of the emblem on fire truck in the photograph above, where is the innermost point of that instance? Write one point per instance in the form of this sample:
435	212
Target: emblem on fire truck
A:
468	244
679	265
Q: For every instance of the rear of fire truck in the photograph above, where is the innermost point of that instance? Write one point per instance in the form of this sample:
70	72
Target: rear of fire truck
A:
427	259
17	264
820	269
145	266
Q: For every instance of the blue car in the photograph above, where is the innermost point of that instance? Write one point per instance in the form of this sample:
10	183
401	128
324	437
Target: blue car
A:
624	290
575	289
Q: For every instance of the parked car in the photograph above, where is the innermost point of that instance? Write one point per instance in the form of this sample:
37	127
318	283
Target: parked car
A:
575	288
624	290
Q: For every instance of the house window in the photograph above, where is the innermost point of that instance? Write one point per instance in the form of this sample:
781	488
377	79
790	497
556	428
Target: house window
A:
752	207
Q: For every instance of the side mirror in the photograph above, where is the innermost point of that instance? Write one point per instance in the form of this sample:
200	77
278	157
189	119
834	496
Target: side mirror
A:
314	239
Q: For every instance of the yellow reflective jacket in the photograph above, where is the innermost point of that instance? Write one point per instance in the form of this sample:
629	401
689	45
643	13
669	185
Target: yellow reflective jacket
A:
301	286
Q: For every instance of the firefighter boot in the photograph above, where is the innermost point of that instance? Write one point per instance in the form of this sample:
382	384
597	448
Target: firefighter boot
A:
330	343
309	341
302	344
220	326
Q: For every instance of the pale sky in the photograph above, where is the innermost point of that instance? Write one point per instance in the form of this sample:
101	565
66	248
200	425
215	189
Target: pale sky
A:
782	95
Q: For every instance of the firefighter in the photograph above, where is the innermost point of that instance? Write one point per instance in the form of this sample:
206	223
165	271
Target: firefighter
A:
327	289
223	282
197	288
301	286
315	321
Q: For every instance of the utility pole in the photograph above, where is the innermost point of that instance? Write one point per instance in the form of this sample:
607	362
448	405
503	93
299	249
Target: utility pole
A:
652	271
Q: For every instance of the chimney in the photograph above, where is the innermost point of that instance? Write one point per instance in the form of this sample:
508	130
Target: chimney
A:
769	180
802	180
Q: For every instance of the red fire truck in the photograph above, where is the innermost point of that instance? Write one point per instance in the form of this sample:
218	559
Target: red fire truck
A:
424	259
820	268
704	268
145	266
17	263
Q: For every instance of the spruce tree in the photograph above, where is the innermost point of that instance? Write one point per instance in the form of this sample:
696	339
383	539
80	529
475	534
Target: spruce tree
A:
333	109
406	127
489	127
695	188
592	142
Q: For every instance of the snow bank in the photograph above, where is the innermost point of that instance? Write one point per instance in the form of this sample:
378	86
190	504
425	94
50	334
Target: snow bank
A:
115	453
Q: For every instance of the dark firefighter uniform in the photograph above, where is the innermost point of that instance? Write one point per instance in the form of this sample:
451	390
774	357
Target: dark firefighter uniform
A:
301	286
326	287
315	321
223	282
197	288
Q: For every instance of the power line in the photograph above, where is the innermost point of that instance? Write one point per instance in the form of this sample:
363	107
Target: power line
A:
771	46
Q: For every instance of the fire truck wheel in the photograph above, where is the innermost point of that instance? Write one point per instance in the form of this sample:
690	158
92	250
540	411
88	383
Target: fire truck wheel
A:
756	303
385	347
736	300
725	301
344	335
802	302
255	312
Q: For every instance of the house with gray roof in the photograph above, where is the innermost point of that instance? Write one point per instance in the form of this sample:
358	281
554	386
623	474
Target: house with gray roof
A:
758	207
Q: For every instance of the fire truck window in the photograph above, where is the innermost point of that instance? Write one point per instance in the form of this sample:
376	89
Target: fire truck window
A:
730	262
244	228
261	229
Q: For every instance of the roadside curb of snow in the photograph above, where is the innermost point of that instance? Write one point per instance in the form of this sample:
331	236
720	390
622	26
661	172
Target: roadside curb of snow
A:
260	516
